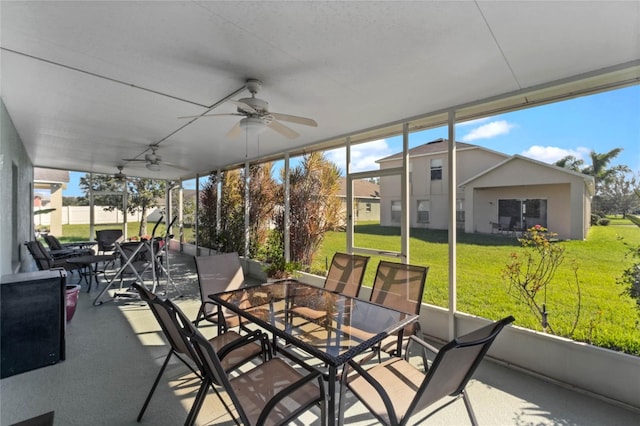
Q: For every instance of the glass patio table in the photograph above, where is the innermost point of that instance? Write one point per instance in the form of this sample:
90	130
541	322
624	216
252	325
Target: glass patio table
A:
350	326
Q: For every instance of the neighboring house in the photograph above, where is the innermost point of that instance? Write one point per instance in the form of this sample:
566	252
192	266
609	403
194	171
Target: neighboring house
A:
51	181
366	200
514	192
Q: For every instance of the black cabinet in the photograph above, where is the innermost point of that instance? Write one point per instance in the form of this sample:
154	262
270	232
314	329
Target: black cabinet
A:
32	320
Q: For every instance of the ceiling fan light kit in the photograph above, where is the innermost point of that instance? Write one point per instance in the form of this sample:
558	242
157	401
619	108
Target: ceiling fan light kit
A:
154	167
253	125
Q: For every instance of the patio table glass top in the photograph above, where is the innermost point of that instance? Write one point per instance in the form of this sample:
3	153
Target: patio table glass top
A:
350	326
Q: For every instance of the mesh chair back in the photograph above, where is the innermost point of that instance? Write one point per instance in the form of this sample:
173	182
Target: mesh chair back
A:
456	362
399	286
43	259
204	356
53	242
107	239
216	274
162	315
346	273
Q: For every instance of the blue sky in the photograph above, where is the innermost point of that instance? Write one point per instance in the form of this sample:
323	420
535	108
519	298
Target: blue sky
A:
599	122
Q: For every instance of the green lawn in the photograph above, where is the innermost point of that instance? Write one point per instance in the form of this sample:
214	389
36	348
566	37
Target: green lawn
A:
607	319
81	232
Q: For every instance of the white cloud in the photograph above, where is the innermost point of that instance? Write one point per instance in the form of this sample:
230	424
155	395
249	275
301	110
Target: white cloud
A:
363	156
489	130
551	154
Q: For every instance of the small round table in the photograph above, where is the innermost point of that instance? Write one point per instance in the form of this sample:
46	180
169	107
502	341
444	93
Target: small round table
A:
90	265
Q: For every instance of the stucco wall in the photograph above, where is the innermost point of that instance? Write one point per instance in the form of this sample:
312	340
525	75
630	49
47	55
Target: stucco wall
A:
16	197
470	162
567	200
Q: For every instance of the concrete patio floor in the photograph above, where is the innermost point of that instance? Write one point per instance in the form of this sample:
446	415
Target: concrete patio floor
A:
115	350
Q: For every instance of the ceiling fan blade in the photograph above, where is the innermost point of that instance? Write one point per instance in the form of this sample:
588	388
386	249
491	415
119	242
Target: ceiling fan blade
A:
283	130
134	159
235	131
244	107
212	115
176	166
294	119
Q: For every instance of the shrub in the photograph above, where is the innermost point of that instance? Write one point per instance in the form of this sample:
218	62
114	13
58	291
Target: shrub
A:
603	222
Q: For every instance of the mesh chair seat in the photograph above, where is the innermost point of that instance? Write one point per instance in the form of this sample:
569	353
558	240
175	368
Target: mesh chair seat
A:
394	391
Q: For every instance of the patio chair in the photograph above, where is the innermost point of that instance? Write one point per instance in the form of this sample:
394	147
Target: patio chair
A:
395	390
344	276
216	274
77	249
45	260
106	239
235	350
272	393
399	286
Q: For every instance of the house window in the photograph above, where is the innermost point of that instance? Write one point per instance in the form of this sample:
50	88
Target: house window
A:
459	210
396	209
423	211
367	207
436	169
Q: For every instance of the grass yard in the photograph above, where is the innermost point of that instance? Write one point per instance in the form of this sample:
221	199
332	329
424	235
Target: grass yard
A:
81	232
607	319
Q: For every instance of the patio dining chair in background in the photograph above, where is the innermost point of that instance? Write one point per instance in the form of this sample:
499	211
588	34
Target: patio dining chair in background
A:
399	286
395	390
107	238
235	350
272	393
344	276
216	274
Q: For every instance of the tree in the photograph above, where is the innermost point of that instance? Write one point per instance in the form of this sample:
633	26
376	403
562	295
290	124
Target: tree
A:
570	162
143	194
231	237
314	207
598	168
617	193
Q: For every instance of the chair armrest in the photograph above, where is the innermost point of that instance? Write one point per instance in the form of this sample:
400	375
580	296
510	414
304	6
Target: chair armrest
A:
252	337
289	390
425	345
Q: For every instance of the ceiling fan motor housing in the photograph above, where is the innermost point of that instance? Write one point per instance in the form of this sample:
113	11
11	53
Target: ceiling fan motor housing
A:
259	105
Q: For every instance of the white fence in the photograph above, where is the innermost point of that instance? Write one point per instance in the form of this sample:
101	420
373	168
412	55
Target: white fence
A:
77	215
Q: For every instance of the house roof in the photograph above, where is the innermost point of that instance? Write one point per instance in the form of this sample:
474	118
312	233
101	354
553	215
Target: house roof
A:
41	175
361	189
438	146
589	180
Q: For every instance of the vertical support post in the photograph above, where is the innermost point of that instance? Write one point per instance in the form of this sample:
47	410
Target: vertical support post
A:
181	216
349	195
125	205
451	175
287	209
196	225
404	187
247	213
218	201
92	216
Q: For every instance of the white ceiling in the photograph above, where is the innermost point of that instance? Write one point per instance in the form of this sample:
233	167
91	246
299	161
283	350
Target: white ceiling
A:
90	83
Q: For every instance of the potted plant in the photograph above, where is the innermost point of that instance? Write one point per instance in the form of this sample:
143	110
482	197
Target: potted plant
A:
280	269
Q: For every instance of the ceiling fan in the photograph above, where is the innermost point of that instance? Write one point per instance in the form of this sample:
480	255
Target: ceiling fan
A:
257	117
153	161
121	177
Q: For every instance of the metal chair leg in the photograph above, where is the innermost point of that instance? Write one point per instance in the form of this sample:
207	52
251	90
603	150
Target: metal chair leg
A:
155	384
467	404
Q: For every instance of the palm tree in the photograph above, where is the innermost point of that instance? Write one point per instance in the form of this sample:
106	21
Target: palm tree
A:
599	163
570	162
